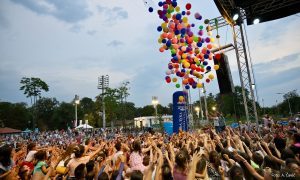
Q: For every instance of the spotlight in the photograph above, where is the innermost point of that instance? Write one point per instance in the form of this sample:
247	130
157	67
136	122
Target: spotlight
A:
235	16
256	21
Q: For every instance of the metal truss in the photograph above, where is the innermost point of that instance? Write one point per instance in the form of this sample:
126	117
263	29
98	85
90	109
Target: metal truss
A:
243	65
245	73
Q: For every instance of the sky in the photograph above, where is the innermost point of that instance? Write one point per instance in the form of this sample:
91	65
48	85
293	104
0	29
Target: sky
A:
70	43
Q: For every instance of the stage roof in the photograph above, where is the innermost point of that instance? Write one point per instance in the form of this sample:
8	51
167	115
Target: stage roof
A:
265	10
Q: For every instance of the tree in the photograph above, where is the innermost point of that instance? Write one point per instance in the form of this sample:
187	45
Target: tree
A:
123	94
32	88
14	115
45	108
63	116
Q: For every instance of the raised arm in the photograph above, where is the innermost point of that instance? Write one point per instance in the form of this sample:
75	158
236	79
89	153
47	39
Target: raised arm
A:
248	166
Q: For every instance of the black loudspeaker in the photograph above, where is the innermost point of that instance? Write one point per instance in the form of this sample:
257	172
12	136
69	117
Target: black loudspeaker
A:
224	75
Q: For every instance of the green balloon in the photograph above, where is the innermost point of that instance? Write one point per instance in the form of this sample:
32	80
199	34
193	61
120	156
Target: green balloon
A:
178	85
196	39
200	27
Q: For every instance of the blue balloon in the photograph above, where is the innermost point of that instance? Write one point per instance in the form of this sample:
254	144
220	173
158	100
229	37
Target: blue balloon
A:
159	28
174	3
194	85
178	73
160	3
168	44
177	32
183	31
150	9
182	70
164	41
208	68
187	87
183	13
206	56
178	16
199	44
205	62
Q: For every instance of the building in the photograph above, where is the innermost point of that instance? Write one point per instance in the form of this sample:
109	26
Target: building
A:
149	121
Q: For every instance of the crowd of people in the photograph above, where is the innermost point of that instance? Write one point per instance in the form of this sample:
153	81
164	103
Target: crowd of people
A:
215	153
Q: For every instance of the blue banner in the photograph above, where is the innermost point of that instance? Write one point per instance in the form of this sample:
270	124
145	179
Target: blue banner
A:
180	111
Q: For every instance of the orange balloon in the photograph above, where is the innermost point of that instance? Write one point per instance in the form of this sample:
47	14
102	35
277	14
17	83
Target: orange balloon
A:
185	81
170	36
164	35
174	41
209	46
162	49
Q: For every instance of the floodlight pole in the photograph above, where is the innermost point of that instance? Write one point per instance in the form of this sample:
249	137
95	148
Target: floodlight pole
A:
205	103
103	83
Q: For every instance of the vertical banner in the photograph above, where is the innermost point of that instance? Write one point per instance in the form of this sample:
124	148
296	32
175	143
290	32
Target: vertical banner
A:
180	111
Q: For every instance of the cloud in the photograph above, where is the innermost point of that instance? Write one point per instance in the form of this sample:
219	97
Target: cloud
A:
3	21
91	32
113	14
278	65
70	11
115	43
278	75
76	28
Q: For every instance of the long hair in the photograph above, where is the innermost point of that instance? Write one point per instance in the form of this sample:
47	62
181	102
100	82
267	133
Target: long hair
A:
5	155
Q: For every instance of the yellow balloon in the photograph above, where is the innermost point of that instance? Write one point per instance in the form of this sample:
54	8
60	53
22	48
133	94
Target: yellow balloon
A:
212	40
199	85
171	8
196	60
174	79
187	65
188	71
159	40
168	16
184	56
200	76
211	76
209	33
185	19
216	67
181	98
177	9
163	25
166	30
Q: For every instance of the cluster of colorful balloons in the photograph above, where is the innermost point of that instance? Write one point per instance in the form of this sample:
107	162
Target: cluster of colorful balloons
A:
191	61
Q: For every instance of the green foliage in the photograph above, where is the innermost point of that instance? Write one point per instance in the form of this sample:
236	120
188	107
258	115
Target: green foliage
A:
14	115
33	87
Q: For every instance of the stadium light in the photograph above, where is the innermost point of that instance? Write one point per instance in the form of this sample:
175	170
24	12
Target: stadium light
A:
256	21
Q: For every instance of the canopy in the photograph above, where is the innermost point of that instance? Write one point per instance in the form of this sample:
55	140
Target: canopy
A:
7	130
84	126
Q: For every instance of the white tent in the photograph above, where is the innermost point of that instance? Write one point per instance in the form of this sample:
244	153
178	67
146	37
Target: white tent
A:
84	126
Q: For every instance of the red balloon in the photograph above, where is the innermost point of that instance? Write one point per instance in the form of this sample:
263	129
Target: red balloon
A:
207	80
188	6
191	80
218	56
188	13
